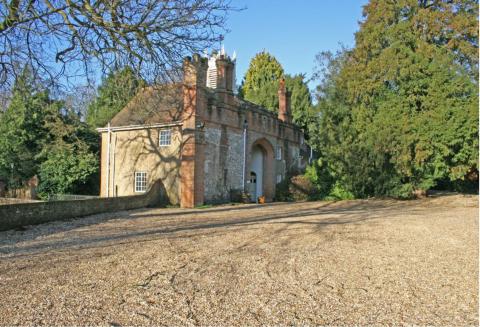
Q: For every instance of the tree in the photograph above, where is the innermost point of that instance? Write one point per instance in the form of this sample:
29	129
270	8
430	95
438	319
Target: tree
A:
260	84
69	168
22	130
113	94
399	111
78	99
69	156
67	38
301	101
41	137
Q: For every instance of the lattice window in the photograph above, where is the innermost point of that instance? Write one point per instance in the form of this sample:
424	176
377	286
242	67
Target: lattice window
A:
165	137
140	181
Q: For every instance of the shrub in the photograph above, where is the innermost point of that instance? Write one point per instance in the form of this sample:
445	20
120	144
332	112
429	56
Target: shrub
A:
338	192
301	188
282	191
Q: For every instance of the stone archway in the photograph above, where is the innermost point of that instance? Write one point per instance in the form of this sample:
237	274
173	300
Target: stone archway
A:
261	170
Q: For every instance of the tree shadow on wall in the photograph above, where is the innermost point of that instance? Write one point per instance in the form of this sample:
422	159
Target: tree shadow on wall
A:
140	150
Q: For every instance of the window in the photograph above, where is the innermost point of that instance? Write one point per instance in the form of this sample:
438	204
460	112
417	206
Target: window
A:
279	153
279	178
253	177
296	154
212	73
165	137
140	181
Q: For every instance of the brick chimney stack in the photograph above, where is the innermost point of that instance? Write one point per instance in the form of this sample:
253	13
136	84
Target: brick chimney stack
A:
284	112
225	73
192	175
225	77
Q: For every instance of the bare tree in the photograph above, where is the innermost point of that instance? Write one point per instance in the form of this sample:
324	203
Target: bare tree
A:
64	39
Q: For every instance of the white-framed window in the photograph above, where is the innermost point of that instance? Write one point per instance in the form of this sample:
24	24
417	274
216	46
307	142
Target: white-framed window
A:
279	152
296	154
279	178
140	181
165	137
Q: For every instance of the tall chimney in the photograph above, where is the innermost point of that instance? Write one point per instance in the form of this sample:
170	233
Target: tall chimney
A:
225	73
192	175
284	112
225	78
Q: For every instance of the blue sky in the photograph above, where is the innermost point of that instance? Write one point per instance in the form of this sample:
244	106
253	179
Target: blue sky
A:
293	31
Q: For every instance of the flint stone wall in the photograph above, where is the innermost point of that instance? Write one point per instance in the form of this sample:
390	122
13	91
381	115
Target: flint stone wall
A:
22	214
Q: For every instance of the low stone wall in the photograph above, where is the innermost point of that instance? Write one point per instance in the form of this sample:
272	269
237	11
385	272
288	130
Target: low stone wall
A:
21	214
16	201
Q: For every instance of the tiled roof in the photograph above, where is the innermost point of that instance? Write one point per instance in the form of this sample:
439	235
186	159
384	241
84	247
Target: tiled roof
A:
152	104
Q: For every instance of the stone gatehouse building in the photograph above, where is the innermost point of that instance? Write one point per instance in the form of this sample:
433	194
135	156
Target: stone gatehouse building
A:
203	142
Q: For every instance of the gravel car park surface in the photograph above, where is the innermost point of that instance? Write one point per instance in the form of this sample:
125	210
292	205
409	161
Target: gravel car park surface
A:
317	263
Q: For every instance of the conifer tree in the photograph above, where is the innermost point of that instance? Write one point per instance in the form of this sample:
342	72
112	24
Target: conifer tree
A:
22	130
116	90
301	101
41	137
260	84
399	111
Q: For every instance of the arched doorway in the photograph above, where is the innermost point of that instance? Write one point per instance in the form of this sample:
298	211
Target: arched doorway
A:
261	170
256	173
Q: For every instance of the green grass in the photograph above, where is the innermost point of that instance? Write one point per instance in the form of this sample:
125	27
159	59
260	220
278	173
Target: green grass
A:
204	206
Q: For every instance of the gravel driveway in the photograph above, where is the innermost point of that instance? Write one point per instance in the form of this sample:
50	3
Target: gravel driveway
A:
317	263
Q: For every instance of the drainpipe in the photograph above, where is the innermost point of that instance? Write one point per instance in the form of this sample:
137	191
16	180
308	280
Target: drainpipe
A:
108	160
245	126
113	164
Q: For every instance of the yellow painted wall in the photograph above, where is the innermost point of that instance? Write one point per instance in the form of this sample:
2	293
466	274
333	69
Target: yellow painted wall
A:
139	150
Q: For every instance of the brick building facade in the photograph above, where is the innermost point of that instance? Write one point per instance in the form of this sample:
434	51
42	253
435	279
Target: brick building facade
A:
202	141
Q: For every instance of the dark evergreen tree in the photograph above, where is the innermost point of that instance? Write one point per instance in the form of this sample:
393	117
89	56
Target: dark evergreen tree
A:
22	130
399	111
301	100
41	137
116	90
260	84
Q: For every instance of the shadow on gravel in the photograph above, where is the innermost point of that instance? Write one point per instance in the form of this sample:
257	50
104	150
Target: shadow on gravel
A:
52	227
349	212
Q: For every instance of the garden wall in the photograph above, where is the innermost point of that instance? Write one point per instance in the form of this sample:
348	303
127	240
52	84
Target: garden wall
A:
4	201
21	214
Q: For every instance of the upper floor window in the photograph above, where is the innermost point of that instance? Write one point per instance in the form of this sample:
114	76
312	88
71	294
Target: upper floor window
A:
140	181
212	73
279	178
295	153
279	153
165	137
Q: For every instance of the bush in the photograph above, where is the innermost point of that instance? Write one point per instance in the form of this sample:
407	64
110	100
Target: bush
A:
296	188
66	171
403	191
282	191
338	192
301	188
